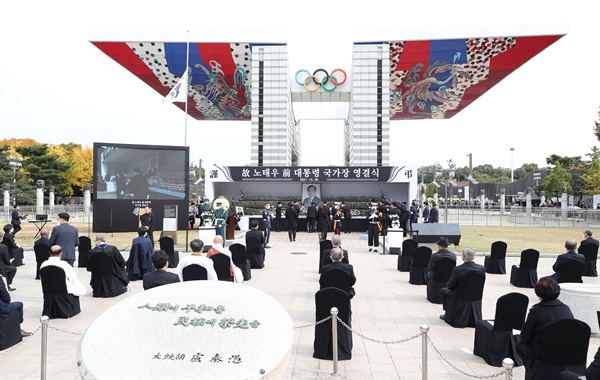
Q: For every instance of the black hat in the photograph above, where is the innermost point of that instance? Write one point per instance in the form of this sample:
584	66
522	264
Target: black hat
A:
443	241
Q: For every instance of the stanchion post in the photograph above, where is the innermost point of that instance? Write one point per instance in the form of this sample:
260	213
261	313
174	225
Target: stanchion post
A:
424	330
44	356
334	337
508	365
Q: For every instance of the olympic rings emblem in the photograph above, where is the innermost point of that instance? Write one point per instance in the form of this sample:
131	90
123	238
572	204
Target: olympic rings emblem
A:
320	80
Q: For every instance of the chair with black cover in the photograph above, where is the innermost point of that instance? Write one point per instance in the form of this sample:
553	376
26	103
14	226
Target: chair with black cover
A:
336	278
495	263
58	303
194	272
441	275
590	252
525	275
570	271
10	330
418	269
495	339
465	309
166	244
84	248
103	280
255	252
325	299
222	265
566	343
405	259
323	246
238	255
42	253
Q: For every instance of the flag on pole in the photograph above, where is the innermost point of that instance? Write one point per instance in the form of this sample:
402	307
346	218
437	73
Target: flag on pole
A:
179	92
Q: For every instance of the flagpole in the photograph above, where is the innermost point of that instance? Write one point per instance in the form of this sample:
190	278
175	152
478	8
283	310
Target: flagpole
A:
187	64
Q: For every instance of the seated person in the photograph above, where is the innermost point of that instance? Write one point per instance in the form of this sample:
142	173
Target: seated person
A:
196	258
336	242
217	248
336	257
7	307
587	239
443	251
6	269
468	257
255	233
14	250
570	245
74	287
101	285
160	261
549	309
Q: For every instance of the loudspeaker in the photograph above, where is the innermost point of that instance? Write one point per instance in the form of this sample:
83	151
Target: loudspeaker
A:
431	232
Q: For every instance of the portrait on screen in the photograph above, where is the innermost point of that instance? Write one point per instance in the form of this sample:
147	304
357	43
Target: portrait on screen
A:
311	193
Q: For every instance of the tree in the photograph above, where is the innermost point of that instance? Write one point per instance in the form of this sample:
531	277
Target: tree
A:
557	182
39	164
597	128
524	170
576	167
592	177
81	160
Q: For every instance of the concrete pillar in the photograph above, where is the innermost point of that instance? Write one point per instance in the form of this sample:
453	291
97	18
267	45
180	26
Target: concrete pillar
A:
51	200
87	201
435	198
7	197
482	200
502	201
563	206
542	198
39	197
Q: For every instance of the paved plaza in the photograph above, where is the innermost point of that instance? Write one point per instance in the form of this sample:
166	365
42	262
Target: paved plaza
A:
386	308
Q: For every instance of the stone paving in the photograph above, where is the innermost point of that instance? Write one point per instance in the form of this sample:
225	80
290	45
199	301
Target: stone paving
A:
386	308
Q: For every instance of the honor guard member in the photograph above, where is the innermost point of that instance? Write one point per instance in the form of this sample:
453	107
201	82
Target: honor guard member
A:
267	219
374	221
220	220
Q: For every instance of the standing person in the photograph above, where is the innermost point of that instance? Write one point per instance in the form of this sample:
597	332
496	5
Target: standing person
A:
374	223
426	212
16	220
147	220
311	217
192	211
347	216
327	212
267	219
434	216
549	309
321	223
337	219
278	211
220	220
414	213
121	183
67	237
138	185
292	220
404	218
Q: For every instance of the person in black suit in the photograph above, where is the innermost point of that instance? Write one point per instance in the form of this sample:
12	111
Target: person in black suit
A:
336	258
570	245
442	252
16	220
311	217
321	223
14	250
468	257
66	236
587	239
160	261
138	185
255	233
347	216
147	220
336	242
327	211
7	307
434	214
426	212
6	269
278	211
404	218
291	216
43	240
549	309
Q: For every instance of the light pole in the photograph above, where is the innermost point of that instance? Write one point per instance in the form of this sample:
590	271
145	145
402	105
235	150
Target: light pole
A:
511	164
15	163
447	174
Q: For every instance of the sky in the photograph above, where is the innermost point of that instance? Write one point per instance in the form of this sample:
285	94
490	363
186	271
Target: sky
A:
56	87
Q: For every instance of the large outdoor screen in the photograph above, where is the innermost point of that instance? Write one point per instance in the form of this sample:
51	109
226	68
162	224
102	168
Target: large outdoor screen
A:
139	172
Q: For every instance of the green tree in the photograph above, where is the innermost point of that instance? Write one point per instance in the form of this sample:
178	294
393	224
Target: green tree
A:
39	164
576	167
557	181
6	174
430	190
597	128
592	177
524	171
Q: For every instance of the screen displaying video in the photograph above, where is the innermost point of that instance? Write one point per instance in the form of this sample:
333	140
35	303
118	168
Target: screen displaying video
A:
139	172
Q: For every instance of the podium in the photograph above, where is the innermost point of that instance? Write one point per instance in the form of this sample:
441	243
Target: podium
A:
395	237
230	228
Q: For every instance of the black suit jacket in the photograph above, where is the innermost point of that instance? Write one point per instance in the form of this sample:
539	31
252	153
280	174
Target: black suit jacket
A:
436	257
460	271
327	257
255	234
540	314
311	212
434	215
561	259
9	241
158	278
339	265
42	241
588	241
291	216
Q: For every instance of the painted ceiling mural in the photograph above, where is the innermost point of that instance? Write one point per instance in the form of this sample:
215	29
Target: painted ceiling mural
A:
429	79
435	79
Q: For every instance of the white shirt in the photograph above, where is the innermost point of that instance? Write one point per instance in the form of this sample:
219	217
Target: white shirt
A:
73	285
200	260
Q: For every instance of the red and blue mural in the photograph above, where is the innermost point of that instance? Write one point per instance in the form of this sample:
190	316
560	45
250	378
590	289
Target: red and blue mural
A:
436	79
220	84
